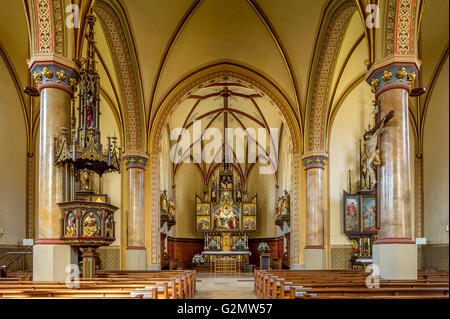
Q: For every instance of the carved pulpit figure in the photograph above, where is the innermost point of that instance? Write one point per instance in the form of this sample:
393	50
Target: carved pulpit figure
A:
109	229
71	227
85	179
90	226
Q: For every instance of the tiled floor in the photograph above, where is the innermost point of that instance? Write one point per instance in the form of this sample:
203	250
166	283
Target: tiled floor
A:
210	286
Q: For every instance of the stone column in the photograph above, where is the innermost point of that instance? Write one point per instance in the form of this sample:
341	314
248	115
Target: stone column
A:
315	256
394	252
136	254
50	255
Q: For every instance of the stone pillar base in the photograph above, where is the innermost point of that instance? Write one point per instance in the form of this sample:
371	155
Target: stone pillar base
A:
135	259
50	262
314	259
396	261
297	267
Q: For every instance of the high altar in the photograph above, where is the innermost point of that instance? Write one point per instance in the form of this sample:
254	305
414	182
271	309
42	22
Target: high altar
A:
226	218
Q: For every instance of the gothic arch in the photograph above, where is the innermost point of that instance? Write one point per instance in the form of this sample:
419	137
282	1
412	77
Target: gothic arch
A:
332	31
118	34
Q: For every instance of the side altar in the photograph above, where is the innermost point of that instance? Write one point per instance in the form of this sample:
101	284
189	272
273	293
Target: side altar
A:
226	218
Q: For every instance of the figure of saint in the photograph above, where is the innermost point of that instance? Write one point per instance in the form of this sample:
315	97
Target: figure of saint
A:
351	216
285	209
89	112
108	224
171	209
85	179
71	226
90	226
164	202
213	192
279	208
238	193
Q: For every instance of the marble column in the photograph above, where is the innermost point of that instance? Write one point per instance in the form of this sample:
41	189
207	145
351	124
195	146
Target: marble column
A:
50	255
315	256
136	254
394	252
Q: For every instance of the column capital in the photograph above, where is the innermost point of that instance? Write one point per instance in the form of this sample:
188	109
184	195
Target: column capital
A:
135	160
391	72
49	71
315	159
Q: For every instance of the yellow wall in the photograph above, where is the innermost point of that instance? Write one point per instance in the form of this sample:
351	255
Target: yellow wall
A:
111	181
436	161
188	182
264	186
12	162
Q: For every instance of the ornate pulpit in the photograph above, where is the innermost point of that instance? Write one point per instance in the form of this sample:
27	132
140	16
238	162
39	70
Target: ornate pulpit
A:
88	219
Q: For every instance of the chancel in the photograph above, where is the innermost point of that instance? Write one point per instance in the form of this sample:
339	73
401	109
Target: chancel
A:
224	149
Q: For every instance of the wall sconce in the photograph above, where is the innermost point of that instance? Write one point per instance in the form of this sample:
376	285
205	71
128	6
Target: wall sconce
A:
1	232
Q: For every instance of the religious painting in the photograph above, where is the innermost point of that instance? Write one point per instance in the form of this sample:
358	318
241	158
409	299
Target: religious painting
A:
249	209
203	223
368	216
351	213
249	223
226	216
90	224
203	209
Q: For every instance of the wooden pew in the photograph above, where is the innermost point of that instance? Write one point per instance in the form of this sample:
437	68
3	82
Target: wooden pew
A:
117	284
345	284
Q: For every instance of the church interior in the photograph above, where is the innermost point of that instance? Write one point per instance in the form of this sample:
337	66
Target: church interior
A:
247	149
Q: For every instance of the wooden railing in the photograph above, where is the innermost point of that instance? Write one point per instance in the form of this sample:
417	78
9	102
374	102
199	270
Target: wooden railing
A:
19	254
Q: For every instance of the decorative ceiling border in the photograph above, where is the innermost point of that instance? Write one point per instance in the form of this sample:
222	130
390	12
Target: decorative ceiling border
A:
401	27
323	68
47	27
125	63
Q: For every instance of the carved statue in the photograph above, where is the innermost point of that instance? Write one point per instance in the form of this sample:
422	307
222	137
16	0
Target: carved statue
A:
85	179
71	227
238	193
213	192
285	207
171	209
164	202
90	226
108	224
371	157
279	208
